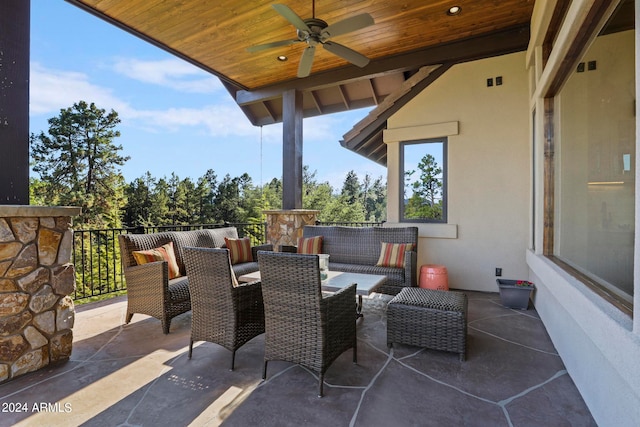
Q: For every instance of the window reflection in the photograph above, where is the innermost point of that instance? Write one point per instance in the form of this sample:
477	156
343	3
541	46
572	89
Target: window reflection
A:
423	173
596	163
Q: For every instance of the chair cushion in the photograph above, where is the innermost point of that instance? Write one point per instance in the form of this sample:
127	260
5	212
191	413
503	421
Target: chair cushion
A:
392	254
163	253
244	268
179	289
310	245
239	250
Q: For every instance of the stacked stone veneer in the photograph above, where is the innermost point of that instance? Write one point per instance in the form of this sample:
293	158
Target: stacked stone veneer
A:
285	226
36	279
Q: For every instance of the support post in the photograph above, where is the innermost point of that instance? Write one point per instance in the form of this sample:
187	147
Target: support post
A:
14	102
292	115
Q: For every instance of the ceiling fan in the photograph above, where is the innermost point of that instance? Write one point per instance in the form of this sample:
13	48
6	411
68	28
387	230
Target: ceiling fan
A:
314	31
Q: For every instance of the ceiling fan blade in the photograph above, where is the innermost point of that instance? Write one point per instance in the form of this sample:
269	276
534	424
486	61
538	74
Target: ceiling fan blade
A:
348	25
349	54
291	16
304	68
260	47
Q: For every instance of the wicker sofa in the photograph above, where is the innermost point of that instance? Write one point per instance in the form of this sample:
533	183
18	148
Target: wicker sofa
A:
357	250
149	289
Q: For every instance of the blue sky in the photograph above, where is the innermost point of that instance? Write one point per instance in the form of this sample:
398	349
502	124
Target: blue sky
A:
175	117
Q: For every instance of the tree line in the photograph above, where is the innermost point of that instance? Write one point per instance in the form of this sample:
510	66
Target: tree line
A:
78	164
208	199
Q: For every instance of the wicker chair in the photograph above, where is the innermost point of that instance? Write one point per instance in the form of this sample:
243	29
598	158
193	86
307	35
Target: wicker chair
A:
223	312
301	325
149	289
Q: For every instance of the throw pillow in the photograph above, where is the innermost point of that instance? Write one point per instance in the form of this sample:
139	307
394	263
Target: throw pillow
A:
239	250
163	253
392	254
310	245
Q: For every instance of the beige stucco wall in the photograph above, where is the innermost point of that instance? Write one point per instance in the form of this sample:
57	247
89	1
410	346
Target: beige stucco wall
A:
488	170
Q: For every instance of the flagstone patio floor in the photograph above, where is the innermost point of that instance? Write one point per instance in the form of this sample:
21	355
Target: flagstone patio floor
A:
134	375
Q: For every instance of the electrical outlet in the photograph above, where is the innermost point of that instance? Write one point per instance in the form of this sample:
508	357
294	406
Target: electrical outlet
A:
489	82
498	272
499	81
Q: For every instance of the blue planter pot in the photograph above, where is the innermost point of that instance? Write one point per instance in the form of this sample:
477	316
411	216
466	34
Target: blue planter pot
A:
514	296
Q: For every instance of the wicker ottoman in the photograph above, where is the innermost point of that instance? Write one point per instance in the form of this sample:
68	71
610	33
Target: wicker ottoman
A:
428	318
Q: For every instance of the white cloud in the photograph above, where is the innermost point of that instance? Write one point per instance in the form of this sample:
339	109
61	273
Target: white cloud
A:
320	127
52	90
172	73
219	120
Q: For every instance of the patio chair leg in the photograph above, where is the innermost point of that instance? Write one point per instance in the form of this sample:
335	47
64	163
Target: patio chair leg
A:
355	352
264	370
128	319
190	348
166	324
233	359
321	383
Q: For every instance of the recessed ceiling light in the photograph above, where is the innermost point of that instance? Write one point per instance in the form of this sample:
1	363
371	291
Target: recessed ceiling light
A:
454	10
282	58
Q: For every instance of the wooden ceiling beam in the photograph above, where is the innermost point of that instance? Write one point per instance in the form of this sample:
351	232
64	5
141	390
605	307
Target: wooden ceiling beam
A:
344	96
374	95
269	110
316	100
514	39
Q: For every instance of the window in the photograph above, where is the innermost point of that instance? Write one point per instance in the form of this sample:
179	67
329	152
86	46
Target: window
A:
423	174
595	161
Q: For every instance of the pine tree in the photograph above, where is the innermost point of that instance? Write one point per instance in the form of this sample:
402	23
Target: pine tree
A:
315	195
140	201
426	200
78	163
351	188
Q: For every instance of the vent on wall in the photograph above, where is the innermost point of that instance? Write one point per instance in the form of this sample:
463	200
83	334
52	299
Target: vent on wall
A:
498	81
590	66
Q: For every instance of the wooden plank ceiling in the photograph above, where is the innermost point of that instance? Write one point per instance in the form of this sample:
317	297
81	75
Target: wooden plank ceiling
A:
407	35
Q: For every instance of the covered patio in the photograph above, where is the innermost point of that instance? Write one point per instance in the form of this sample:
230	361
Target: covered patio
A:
567	71
134	375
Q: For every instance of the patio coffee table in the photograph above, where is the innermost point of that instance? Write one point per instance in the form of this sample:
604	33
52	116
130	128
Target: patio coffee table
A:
336	280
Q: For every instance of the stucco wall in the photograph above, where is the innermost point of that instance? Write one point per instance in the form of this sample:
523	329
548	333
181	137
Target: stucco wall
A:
488	170
595	341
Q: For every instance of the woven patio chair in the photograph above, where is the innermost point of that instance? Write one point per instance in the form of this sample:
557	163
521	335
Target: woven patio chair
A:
302	325
149	289
223	311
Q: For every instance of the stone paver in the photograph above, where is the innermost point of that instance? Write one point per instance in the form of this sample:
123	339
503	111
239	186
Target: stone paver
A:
133	375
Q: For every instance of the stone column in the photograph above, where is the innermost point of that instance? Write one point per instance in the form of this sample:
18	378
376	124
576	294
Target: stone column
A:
36	279
285	226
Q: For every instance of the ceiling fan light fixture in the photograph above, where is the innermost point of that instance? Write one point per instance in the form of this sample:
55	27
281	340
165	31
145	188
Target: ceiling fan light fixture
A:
316	32
454	10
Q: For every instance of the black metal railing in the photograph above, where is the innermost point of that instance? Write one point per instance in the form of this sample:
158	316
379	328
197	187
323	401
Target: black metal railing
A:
96	254
96	257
